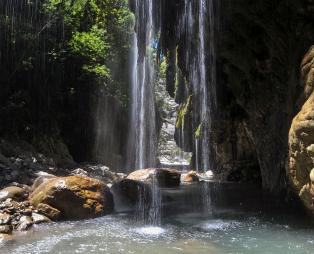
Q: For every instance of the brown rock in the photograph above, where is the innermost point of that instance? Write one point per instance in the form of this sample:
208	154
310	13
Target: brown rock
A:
164	177
76	197
312	176
52	213
13	192
6	229
191	177
301	140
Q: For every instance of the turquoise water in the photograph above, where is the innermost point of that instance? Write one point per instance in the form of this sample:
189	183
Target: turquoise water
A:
229	230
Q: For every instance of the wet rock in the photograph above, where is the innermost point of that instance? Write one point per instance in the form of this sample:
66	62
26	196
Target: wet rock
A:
6	229
42	177
25	223
164	177
209	174
128	193
52	213
39	218
13	192
99	172
312	176
190	177
5	219
76	197
79	172
6	238
130	190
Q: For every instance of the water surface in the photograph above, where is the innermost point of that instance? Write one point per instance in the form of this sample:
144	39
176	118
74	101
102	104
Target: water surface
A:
228	230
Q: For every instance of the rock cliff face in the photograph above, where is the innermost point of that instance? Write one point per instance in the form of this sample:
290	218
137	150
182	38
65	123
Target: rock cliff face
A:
260	45
263	44
301	139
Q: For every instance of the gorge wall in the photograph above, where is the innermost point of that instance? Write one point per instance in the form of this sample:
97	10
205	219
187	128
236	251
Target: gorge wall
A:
260	46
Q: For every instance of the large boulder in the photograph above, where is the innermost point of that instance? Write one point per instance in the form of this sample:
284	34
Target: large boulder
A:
301	139
76	197
165	177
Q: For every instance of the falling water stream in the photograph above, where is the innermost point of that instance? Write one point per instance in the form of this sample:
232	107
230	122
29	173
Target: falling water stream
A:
200	19
143	140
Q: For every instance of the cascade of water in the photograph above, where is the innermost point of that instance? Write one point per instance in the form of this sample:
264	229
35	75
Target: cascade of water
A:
143	140
208	92
142	143
200	19
155	206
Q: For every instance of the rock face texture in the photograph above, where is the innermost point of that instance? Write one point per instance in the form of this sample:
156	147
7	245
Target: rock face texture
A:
73	197
301	139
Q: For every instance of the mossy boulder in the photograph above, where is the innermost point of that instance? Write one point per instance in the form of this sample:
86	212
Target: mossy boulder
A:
76	197
164	177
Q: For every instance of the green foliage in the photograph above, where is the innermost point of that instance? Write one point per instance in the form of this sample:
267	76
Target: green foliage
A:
198	131
97	33
183	113
92	46
58	54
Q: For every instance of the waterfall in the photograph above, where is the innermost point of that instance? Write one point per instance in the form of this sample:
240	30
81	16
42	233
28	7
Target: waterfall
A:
208	83
200	24
205	83
143	139
142	135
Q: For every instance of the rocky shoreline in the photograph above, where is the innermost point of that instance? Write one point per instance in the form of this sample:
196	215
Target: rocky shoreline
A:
35	192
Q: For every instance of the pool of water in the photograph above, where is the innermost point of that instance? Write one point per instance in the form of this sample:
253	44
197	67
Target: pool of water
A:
227	229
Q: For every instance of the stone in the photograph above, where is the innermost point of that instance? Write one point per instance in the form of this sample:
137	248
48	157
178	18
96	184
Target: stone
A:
5	218
128	193
312	176
50	212
42	177
79	172
209	174
39	218
76	197
13	192
191	177
6	238
301	139
25	223
166	178
6	229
